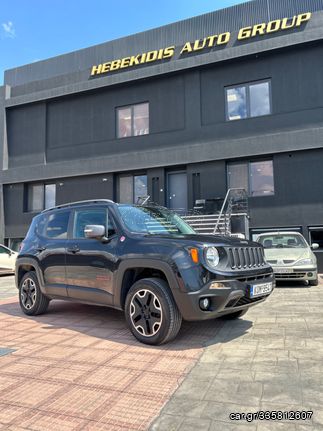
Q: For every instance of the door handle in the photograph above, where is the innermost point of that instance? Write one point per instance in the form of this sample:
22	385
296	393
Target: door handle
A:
40	249
74	249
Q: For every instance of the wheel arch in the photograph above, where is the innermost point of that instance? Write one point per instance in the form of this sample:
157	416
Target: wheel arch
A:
131	271
27	264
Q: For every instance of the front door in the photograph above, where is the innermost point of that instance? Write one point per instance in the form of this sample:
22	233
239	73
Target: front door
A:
90	263
177	191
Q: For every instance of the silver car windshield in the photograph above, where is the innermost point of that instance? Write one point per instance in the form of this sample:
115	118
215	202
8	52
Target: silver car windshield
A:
282	241
153	220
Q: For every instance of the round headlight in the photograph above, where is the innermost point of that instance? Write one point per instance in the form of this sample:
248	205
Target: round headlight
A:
212	256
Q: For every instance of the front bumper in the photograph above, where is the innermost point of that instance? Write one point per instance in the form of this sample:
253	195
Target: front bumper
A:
233	296
295	273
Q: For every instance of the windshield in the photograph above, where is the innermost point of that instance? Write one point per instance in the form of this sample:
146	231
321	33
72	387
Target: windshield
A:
153	220
282	241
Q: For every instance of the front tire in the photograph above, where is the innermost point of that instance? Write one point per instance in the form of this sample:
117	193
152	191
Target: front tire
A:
151	312
235	315
32	300
314	282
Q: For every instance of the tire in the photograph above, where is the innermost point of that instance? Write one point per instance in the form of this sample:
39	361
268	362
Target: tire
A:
314	282
32	300
151	312
235	315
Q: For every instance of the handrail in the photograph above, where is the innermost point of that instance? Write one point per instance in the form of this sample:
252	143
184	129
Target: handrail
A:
223	206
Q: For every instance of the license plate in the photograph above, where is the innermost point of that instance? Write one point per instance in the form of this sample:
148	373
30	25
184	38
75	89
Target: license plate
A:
283	270
260	289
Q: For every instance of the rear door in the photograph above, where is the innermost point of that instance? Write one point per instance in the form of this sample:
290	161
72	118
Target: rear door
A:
90	263
51	250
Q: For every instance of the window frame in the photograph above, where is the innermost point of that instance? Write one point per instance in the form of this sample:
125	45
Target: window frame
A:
248	163
247	86
43	185
44	229
132	176
132	106
72	222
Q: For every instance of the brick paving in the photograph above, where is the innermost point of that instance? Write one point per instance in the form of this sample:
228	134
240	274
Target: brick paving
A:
79	368
272	359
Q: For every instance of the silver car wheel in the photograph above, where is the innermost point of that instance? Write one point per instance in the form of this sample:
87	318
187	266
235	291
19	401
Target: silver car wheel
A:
146	313
28	293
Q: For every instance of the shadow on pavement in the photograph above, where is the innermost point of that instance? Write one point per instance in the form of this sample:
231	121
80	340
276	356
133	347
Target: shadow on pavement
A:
109	324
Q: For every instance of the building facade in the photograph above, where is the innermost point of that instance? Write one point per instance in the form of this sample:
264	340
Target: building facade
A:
233	98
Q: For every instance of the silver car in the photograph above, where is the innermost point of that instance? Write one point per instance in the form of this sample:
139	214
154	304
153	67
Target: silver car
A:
290	256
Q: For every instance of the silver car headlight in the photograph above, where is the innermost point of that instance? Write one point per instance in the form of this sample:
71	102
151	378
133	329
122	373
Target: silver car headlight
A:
212	256
304	262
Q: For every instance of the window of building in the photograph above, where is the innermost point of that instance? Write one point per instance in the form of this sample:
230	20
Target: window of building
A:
257	177
41	196
316	236
131	188
248	100
133	120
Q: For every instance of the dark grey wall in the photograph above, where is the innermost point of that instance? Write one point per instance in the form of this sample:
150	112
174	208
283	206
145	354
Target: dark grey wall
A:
85	126
26	134
184	109
17	220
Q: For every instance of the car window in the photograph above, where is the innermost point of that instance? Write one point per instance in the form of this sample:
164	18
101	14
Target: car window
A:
55	225
282	241
3	250
98	216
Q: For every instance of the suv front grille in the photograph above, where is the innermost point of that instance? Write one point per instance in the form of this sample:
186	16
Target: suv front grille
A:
246	257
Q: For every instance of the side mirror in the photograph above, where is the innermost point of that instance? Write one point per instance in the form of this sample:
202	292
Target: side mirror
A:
94	231
315	246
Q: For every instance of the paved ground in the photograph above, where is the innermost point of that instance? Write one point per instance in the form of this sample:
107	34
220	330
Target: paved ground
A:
78	368
272	359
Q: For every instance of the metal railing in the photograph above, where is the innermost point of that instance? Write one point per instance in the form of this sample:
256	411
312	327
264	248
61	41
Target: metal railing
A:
235	201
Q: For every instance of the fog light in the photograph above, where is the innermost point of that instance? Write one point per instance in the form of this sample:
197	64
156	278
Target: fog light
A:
204	304
310	274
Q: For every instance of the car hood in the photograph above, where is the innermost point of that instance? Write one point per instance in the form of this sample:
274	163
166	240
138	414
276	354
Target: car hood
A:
217	240
288	253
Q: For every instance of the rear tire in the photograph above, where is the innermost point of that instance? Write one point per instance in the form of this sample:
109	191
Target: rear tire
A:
235	315
151	312
313	282
32	300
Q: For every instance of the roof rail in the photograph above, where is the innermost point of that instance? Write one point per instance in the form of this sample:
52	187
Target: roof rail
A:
71	204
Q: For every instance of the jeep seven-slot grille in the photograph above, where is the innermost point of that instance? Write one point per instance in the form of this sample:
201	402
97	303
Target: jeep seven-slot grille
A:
246	257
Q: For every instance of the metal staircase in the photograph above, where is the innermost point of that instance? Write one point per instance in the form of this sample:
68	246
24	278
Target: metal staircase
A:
231	220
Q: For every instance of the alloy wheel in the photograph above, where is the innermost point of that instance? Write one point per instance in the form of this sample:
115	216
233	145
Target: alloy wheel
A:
28	293
146	313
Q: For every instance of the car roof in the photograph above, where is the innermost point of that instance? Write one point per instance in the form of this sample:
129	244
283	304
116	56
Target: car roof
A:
79	203
280	233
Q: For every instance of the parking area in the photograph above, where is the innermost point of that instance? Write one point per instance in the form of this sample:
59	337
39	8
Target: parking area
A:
78	368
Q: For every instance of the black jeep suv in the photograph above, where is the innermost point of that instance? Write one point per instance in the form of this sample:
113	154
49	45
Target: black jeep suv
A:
144	260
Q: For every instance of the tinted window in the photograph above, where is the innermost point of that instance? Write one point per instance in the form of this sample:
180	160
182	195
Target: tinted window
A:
261	178
3	250
56	225
248	100
92	217
133	120
153	220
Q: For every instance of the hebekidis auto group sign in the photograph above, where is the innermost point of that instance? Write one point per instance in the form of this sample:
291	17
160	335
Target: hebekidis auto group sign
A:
207	43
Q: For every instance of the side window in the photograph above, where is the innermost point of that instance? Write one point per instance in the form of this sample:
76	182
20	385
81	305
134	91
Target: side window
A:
56	225
3	250
89	217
